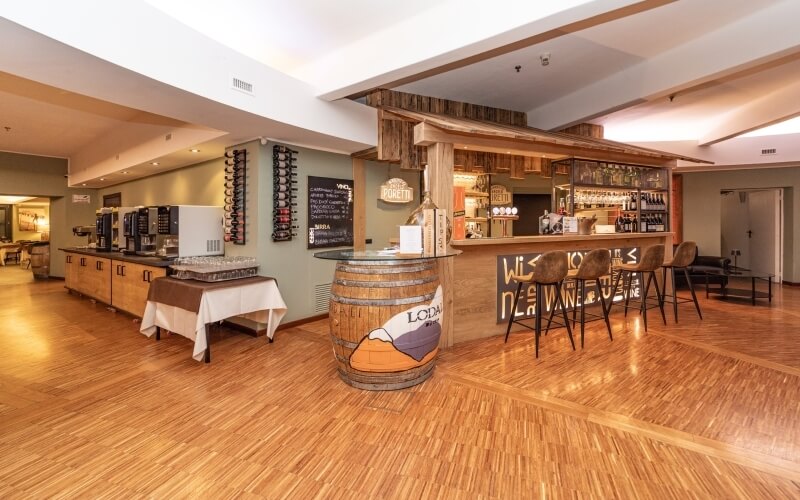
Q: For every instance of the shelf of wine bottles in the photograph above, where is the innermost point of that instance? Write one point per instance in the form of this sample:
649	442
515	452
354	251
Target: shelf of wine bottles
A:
284	189
235	192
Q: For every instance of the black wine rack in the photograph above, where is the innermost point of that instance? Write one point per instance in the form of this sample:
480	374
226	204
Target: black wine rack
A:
235	195
284	187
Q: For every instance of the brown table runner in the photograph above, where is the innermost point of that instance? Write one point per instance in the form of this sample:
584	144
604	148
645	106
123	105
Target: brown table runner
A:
186	294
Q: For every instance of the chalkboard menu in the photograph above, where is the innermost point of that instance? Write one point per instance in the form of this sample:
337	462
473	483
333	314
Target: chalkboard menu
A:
330	212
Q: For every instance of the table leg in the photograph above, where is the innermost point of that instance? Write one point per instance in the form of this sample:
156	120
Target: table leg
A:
769	285
208	344
158	333
754	292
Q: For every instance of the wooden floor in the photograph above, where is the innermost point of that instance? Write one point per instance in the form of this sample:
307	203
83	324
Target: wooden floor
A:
703	409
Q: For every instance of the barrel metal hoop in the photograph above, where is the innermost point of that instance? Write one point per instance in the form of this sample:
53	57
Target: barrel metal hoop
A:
385	284
398	262
386	386
386	270
344	343
341	359
383	302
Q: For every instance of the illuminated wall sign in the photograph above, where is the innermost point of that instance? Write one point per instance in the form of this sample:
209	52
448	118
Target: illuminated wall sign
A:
500	195
396	191
520	264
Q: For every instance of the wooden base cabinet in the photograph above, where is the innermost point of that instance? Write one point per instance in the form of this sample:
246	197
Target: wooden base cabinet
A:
130	283
121	284
88	275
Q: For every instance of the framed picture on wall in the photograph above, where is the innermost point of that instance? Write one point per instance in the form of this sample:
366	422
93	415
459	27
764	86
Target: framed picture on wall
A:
27	218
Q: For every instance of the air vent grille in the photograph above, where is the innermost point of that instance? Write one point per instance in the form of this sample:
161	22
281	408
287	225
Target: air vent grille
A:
769	151
213	245
241	85
322	297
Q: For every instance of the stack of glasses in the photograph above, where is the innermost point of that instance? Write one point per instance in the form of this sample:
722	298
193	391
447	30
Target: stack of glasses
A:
235	189
284	181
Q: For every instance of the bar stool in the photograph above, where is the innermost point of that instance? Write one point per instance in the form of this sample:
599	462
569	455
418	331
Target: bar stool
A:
684	255
550	271
652	259
594	266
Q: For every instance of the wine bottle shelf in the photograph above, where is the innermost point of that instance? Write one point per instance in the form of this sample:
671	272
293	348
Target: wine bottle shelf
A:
284	198
235	196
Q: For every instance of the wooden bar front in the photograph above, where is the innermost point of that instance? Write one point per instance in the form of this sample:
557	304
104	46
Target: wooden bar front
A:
475	273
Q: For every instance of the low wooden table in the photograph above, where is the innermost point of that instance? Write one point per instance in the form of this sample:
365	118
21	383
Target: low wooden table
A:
187	307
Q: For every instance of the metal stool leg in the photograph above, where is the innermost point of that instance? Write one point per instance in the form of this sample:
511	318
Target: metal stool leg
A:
691	289
583	306
660	298
513	310
564	314
538	321
674	294
603	305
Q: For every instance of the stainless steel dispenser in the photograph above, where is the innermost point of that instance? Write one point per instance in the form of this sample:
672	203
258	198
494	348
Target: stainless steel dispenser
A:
189	231
103	229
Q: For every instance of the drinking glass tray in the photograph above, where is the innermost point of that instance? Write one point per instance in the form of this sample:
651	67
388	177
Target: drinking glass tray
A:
211	269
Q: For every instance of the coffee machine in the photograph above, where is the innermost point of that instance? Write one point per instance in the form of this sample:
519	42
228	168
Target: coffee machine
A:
103	229
130	231
147	230
189	231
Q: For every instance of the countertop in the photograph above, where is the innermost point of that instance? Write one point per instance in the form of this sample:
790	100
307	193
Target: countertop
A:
515	240
136	259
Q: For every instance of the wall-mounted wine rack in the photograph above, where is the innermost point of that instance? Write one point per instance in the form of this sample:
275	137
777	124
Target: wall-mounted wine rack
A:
235	192
284	178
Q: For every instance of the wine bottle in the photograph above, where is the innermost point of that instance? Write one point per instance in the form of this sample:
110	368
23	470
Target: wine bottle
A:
635	224
633	201
281	196
283	211
282	235
284	188
285	227
643	201
627	224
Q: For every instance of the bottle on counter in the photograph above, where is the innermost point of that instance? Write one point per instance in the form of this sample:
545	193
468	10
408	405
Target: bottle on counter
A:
634	224
633	201
544	223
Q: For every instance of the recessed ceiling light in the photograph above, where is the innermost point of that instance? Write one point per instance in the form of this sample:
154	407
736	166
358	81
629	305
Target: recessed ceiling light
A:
154	163
83	184
508	152
102	178
124	171
194	150
465	147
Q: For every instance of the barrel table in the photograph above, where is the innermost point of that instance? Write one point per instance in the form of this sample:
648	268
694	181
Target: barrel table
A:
385	317
40	260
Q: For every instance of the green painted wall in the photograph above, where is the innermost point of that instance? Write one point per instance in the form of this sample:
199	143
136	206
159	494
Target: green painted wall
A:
27	175
291	263
702	208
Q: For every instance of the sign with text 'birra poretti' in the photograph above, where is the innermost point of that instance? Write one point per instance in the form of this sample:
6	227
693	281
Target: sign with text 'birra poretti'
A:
500	195
396	190
522	264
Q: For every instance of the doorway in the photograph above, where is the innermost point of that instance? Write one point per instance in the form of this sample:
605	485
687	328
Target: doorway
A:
752	229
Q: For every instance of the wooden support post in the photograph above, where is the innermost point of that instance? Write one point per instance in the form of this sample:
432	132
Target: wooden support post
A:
359	205
440	176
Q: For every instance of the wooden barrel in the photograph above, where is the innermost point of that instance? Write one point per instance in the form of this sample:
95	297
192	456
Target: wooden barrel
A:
386	322
40	261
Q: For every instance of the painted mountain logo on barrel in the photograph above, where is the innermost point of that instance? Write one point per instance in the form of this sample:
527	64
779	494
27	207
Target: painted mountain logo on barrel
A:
409	339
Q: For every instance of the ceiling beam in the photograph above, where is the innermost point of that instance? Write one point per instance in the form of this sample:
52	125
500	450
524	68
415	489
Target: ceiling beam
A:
438	40
766	35
772	108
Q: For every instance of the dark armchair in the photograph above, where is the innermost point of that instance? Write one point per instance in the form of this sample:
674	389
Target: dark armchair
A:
699	265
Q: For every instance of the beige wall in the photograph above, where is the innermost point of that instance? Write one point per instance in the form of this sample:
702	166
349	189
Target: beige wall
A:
27	175
702	208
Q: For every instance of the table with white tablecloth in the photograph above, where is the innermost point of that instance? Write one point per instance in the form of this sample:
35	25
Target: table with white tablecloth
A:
186	307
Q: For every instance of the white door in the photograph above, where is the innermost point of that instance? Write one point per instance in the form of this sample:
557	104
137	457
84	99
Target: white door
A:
734	226
764	231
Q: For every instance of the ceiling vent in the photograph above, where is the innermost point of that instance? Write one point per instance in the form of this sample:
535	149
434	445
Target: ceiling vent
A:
241	86
769	151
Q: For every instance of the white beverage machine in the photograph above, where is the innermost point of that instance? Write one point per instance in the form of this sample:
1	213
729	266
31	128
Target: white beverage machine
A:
189	231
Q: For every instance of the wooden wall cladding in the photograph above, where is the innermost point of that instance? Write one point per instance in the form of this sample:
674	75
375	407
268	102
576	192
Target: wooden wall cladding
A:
396	136
586	130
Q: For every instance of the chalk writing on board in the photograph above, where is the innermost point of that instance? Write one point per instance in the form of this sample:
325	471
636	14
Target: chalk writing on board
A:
330	212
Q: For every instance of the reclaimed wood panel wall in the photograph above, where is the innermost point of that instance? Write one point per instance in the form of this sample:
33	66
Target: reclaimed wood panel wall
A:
396	136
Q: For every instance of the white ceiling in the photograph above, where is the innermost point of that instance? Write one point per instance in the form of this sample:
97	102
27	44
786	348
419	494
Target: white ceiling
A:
731	65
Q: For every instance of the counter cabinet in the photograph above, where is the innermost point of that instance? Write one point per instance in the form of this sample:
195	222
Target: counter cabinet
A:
119	283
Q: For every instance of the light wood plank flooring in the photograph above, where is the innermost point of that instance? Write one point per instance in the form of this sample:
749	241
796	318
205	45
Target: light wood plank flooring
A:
702	409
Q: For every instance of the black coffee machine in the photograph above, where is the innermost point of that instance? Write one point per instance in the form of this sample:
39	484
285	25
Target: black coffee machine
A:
103	230
147	230
130	231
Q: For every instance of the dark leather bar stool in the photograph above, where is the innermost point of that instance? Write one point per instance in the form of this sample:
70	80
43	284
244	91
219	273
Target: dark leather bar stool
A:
684	255
550	271
594	266
652	260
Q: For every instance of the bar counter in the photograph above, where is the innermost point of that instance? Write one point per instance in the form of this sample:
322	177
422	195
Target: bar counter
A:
482	272
135	259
